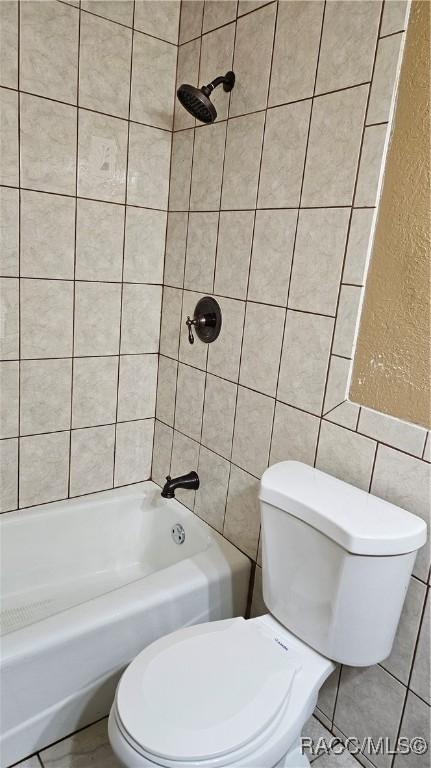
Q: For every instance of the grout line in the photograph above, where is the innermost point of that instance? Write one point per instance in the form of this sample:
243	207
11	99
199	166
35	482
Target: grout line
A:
124	249
72	372
18	489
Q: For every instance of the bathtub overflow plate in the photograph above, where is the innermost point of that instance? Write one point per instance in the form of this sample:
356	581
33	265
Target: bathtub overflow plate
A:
178	533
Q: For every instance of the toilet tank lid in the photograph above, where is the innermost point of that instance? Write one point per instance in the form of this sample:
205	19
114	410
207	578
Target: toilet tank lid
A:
359	522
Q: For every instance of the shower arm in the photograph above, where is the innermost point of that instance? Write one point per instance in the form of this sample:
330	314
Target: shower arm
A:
227	81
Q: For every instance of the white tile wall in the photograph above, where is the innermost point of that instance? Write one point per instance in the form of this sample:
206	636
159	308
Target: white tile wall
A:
80	274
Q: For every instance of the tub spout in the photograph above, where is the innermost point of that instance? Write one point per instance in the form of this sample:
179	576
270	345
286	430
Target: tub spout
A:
189	481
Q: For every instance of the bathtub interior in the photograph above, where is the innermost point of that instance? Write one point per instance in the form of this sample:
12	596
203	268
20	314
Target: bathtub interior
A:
60	555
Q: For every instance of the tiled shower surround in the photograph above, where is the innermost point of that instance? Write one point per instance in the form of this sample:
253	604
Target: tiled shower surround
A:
269	209
85	158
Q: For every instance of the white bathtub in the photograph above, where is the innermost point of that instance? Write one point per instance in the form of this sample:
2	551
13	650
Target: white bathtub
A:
86	584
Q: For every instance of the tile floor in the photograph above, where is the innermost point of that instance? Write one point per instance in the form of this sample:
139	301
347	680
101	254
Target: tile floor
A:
90	748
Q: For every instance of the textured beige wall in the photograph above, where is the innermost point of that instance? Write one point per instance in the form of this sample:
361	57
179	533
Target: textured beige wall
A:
392	364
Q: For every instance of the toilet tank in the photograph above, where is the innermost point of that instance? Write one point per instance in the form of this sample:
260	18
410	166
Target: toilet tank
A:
336	562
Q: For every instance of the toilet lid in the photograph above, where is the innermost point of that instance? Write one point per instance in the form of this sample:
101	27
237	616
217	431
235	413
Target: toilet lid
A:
204	691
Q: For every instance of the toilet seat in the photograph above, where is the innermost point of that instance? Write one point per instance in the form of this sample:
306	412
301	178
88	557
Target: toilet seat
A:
206	694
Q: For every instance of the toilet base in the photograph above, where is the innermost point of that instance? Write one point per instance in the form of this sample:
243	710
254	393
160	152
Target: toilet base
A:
129	758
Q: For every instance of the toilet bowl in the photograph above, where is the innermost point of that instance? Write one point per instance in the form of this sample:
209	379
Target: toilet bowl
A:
229	693
336	564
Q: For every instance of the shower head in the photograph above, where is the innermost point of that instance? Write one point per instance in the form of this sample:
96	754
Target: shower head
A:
197	100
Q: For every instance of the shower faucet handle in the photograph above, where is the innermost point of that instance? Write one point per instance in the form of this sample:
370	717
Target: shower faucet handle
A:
190	323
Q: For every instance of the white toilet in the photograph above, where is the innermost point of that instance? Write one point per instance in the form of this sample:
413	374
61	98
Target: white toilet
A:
336	567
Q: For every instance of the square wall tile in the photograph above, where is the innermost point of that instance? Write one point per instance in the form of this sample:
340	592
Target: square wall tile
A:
420	680
382	88
219	415
347	318
91	459
217	56
133	451
318	261
224	354
116	10
97	319
400	660
252	60
166	390
49	50
370	165
45	401
170	323
9	318
210	503
190	401
9	43
175	250
294	436
46	318
336	389
399	434
104	66
233	253
296	48
201	249
283	155
185	457
102	157
94	391
140	322
357	246
348	44
333	148
153	81
190	19
242	160
148	169
9	230
258	607
158	19
416	722
9	398
346	455
99	241
242	520
145	245
8	475
47	235
162	450
187	72
209	150
137	387
254	416
48	145
9	162
405	481
369	704
43	468
394	17
181	169
304	361
261	347
217	14
274	235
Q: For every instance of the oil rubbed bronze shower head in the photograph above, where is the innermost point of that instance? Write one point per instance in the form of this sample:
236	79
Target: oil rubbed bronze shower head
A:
197	100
